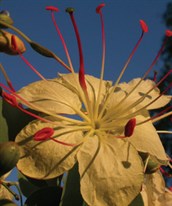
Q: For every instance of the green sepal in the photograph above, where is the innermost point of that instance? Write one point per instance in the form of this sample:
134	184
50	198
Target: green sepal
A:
30	185
12	120
45	196
71	191
138	201
7	19
41	50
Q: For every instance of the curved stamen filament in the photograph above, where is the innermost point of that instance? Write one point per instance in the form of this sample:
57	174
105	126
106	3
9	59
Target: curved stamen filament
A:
98	10
164	132
32	106
24	59
7	78
122	111
52	9
82	80
144	29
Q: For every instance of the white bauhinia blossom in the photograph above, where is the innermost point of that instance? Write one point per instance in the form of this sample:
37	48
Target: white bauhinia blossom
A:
104	126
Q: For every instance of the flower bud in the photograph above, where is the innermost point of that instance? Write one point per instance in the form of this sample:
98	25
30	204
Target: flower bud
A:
9	156
4	16
7	47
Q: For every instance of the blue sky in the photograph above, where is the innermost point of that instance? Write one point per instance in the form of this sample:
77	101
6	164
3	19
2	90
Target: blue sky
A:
122	31
121	18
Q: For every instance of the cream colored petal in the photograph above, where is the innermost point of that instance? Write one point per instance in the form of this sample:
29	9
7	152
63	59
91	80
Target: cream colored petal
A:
155	188
47	159
145	139
141	90
51	95
168	197
111	173
4	193
92	85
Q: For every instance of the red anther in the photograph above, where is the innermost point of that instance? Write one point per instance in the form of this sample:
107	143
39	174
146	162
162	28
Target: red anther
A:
43	134
10	99
143	26
13	42
129	127
168	33
99	7
52	8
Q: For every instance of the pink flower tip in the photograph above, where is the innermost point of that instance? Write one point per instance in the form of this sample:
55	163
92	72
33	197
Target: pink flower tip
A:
43	134
168	33
129	127
143	26
52	8
99	7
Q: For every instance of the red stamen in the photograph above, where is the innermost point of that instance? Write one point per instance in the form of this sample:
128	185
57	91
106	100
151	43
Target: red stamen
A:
129	127
7	78
13	43
61	37
81	59
52	8
46	133
63	143
99	7
168	33
43	134
10	99
143	26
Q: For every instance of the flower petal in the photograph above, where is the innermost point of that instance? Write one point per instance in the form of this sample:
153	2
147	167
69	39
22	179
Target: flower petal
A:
140	91
91	82
111	172
47	159
51	95
145	139
155	189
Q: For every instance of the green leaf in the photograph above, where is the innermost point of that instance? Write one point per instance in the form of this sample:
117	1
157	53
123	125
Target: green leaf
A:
29	185
12	120
46	196
71	191
138	201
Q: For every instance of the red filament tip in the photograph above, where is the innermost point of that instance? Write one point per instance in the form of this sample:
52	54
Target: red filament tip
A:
43	134
129	127
81	58
99	7
143	26
10	99
168	33
51	8
13	43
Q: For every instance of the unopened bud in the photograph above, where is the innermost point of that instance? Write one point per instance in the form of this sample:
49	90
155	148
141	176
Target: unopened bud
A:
7	47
